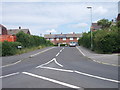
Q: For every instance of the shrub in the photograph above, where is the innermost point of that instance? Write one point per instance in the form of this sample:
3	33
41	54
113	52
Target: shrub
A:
104	41
31	40
9	48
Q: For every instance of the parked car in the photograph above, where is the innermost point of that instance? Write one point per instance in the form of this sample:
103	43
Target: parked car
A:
72	44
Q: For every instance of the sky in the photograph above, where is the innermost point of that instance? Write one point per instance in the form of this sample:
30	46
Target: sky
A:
45	16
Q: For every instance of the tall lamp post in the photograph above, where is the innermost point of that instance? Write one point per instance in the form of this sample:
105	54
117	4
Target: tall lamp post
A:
90	28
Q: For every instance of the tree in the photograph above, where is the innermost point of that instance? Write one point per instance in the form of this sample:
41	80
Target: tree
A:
105	23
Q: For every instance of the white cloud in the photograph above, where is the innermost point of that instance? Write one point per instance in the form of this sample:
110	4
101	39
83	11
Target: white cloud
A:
39	17
100	10
79	25
51	31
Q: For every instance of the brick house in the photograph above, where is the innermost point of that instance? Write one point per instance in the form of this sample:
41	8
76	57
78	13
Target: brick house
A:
15	31
118	17
4	35
95	27
62	38
3	30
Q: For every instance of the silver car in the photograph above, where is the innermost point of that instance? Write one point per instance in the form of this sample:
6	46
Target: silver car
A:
72	44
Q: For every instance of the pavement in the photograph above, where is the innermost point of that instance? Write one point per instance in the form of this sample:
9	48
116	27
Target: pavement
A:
108	59
58	67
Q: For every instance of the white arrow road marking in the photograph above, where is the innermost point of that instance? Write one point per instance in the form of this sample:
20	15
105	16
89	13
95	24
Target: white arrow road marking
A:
51	80
9	75
58	63
54	59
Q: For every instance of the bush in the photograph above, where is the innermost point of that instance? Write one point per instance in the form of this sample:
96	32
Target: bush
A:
9	48
104	41
31	40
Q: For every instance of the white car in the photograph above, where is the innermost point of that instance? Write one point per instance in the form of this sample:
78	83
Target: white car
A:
72	44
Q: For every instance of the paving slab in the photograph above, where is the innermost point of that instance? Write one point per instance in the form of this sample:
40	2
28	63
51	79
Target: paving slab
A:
109	59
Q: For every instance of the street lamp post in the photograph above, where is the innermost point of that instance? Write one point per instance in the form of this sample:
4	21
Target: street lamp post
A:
90	28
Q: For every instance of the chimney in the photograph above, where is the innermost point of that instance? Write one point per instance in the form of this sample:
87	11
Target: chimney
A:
19	27
61	32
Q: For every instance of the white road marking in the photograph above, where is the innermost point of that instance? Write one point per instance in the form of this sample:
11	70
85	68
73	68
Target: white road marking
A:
9	75
57	69
58	63
57	54
30	56
41	52
115	81
81	51
85	74
45	63
54	59
51	80
11	64
61	50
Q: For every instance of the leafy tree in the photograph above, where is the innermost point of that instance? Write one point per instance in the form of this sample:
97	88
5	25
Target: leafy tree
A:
105	23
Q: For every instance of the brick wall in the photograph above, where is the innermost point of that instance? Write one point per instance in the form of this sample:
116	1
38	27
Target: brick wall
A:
67	41
8	38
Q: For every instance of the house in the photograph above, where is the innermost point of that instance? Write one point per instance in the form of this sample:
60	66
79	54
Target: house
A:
118	17
62	38
3	30
95	27
15	31
119	7
4	35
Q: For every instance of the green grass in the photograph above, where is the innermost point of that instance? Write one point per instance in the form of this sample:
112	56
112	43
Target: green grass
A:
25	50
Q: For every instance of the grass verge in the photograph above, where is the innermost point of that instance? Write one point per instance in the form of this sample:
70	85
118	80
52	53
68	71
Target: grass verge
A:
26	50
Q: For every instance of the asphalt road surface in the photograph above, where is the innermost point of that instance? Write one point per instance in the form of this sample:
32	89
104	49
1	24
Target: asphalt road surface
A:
59	67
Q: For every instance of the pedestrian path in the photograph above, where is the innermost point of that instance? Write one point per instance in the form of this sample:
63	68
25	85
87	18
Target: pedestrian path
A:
109	59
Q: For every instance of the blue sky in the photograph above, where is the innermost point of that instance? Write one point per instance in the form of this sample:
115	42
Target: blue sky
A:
43	17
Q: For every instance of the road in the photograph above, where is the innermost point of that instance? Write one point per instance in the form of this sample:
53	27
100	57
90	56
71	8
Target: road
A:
59	67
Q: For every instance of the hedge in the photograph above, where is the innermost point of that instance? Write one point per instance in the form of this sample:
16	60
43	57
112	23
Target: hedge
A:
104	41
31	40
9	48
24	40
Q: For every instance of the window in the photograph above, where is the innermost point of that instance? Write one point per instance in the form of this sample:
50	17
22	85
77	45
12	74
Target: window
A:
64	43
57	39
0	31
71	38
64	39
77	38
51	39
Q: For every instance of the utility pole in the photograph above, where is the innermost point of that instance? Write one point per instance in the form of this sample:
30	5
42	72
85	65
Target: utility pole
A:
90	28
